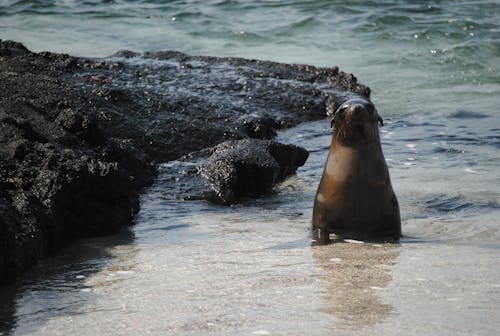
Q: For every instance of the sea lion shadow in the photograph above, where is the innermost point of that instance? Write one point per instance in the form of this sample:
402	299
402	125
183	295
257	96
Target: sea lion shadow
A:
353	275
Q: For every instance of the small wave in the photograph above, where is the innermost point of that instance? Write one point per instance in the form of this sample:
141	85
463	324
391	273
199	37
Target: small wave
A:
310	21
186	15
300	26
457	139
389	20
461	143
248	36
230	34
447	203
171	227
421	8
462	114
493	140
448	150
481	230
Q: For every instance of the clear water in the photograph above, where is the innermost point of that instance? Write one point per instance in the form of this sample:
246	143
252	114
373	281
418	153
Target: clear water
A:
191	268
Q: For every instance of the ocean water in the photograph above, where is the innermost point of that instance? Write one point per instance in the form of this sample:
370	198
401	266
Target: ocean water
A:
191	268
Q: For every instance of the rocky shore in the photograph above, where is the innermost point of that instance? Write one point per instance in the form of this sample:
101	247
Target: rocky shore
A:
80	138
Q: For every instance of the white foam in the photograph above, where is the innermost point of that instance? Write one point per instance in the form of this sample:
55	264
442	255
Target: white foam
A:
353	241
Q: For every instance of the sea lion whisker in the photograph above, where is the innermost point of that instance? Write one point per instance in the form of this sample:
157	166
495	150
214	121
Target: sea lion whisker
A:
381	121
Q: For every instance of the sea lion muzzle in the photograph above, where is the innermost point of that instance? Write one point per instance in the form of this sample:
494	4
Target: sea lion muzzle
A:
355	105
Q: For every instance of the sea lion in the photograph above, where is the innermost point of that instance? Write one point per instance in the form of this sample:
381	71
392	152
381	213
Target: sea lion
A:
355	198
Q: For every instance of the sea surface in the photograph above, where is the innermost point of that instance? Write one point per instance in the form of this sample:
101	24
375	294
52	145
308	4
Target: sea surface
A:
191	268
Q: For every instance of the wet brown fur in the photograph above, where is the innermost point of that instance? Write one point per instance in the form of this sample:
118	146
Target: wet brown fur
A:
355	198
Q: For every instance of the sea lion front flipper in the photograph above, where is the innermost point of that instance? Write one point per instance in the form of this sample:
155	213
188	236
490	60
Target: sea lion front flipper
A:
321	237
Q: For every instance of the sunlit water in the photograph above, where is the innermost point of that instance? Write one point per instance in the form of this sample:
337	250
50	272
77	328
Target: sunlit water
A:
191	268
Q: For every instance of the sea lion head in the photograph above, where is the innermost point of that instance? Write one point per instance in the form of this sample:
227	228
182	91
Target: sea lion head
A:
356	122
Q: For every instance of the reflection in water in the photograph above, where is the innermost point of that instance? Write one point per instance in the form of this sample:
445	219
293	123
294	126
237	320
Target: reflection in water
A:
353	275
118	269
7	309
58	286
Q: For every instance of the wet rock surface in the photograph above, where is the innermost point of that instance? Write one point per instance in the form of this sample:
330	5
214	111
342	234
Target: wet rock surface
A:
250	167
80	138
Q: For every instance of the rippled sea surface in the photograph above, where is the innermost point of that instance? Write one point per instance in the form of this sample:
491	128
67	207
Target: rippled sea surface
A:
191	268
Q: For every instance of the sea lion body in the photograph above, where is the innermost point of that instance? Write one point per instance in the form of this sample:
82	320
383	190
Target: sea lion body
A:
355	198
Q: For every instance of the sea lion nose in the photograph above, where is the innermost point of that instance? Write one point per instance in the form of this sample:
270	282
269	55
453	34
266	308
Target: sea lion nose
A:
356	111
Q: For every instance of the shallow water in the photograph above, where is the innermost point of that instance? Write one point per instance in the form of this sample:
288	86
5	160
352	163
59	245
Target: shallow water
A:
190	268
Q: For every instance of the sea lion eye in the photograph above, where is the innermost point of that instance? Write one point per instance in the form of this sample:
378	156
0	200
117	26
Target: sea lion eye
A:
339	114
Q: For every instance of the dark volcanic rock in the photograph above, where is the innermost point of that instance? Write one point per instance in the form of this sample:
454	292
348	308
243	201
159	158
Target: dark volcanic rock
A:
80	137
261	128
20	241
250	167
55	189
